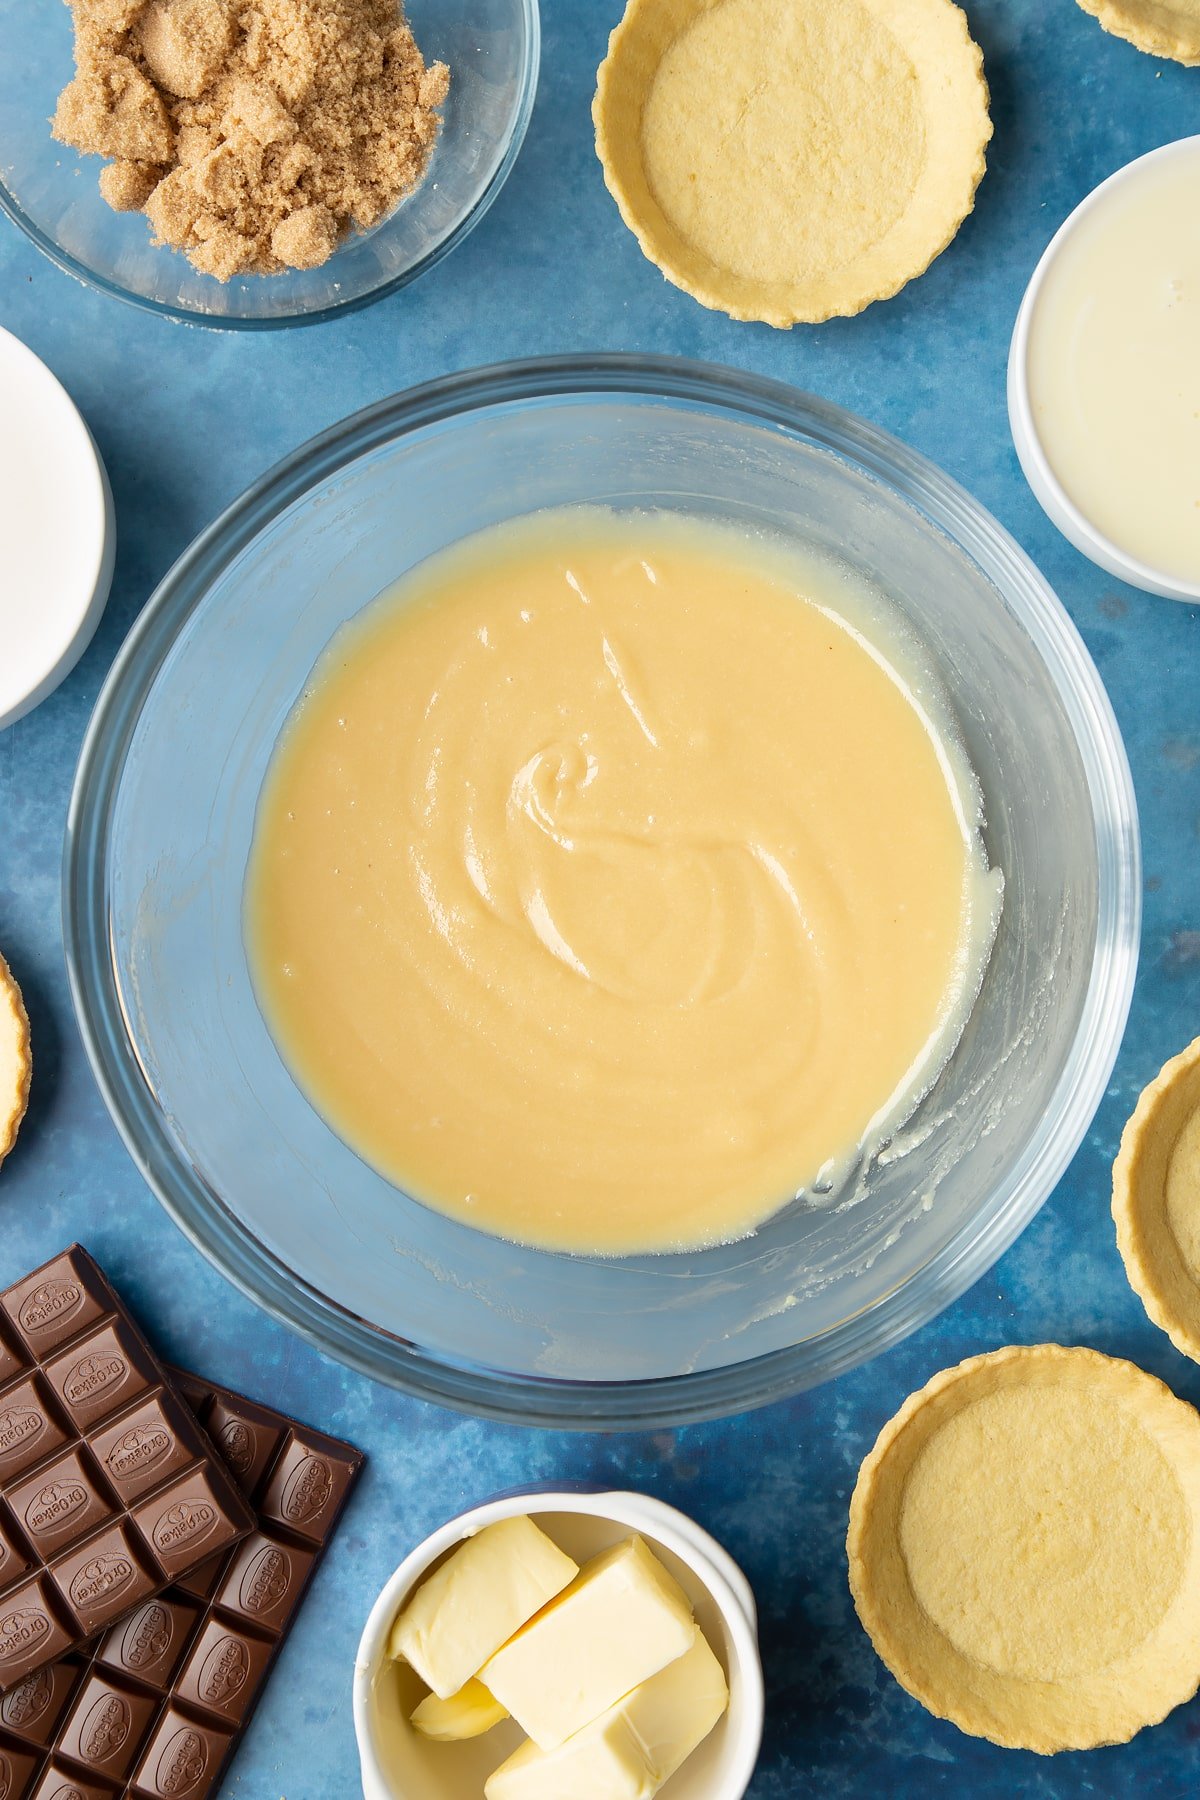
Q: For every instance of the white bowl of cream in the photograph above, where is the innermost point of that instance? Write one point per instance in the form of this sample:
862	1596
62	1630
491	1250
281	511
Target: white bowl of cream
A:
398	1764
1104	374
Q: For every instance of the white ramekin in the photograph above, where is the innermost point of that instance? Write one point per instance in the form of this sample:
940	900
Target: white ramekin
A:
1057	504
57	532
733	1748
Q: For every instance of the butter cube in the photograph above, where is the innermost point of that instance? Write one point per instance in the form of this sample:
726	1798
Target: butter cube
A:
621	1620
604	1761
467	1714
629	1751
491	1585
673	1712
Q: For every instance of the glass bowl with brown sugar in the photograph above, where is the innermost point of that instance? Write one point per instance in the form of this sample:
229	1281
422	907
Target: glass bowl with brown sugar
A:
259	163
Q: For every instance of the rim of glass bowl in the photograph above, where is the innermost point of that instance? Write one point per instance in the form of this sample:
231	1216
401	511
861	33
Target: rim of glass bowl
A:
204	1217
353	303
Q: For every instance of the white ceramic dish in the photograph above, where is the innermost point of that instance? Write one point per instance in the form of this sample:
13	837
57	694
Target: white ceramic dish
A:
57	532
397	1764
1055	502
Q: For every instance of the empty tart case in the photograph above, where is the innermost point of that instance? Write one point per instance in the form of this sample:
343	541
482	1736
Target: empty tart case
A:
1168	28
15	1063
1024	1551
1156	1200
792	160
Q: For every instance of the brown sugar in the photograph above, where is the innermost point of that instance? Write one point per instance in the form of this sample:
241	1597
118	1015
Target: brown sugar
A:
185	43
253	133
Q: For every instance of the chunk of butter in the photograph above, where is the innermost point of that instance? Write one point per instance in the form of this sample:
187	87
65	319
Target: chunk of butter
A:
467	1714
629	1751
491	1585
621	1620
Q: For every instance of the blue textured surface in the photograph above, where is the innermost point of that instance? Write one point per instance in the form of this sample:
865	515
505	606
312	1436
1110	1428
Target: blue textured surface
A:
187	418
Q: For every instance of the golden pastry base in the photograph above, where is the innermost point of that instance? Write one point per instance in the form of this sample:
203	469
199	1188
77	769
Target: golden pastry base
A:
1156	1200
1159	27
15	1066
1024	1548
792	160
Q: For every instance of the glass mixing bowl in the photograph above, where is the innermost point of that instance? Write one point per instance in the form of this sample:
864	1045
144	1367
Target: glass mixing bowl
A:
161	821
491	47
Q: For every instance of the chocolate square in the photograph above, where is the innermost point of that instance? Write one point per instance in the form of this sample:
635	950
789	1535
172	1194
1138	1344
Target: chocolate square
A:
181	1759
12	1361
305	1490
150	1642
29	1429
224	1670
185	1521
246	1438
57	1301
60	1503
144	1447
103	1578
107	1727
59	1782
16	1768
264	1581
32	1709
100	1374
31	1632
14	1558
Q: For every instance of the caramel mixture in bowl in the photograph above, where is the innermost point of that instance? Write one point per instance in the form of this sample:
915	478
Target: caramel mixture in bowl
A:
613	882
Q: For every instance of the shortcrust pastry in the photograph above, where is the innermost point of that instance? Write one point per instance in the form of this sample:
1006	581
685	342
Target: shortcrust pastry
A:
1159	27
14	1059
1156	1200
1024	1551
792	160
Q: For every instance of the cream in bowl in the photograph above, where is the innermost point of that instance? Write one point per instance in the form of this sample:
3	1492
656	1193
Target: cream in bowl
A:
618	879
555	1643
1104	374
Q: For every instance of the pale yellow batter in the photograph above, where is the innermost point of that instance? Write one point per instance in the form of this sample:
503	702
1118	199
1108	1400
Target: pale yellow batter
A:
608	889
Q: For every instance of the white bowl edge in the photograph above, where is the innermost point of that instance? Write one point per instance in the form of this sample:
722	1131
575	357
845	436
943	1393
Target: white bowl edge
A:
78	624
1048	490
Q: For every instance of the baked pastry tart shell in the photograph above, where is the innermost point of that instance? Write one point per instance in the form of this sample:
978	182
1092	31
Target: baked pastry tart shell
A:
1024	1548
1156	1200
15	1067
792	160
1169	28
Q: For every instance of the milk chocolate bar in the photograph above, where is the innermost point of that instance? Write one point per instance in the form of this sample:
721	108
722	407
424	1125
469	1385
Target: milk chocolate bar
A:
155	1709
109	1488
